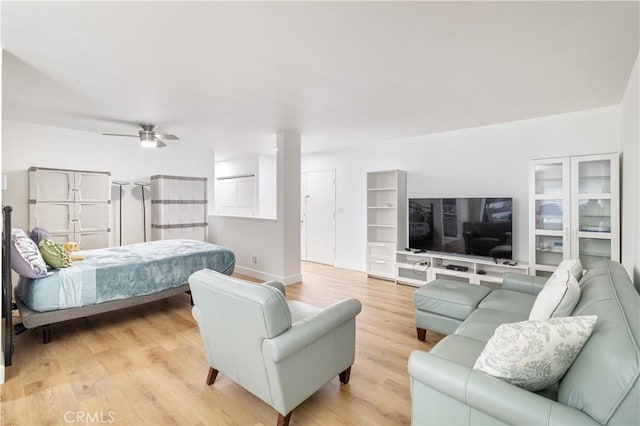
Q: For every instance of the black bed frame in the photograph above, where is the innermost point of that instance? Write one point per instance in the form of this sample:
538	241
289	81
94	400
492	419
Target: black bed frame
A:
7	288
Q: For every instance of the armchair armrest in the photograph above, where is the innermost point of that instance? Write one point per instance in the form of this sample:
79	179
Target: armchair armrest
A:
498	399
523	283
310	329
277	285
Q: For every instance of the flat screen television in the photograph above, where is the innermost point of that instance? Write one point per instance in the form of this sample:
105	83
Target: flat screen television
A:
470	226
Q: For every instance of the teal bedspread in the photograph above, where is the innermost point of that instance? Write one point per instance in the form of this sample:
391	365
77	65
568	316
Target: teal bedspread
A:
123	272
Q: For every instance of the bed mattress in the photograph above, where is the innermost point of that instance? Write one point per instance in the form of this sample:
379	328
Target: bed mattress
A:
123	272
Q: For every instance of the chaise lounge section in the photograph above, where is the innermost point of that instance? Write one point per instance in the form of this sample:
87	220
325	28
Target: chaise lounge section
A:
601	386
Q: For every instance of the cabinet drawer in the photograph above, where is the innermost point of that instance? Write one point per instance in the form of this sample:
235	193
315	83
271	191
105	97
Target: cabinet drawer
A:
381	251
382	268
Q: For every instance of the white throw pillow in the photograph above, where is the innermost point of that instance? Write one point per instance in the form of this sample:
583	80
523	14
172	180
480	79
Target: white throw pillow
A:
574	266
558	297
26	259
535	354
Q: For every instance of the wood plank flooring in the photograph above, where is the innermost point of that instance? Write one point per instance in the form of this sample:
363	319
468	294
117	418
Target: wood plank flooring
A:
145	366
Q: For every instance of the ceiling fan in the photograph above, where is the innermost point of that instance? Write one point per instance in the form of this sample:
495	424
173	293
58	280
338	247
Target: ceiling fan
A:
149	138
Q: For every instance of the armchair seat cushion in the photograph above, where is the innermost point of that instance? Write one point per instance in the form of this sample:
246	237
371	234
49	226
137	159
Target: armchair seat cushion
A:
301	310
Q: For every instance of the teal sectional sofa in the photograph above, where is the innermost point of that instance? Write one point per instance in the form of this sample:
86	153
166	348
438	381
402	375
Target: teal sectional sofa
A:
601	387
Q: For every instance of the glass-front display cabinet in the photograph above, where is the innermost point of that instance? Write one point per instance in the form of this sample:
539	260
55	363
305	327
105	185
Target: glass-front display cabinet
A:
574	211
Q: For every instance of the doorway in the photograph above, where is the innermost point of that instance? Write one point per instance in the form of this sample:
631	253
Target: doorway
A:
318	216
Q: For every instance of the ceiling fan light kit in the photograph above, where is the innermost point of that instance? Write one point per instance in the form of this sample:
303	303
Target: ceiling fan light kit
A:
149	138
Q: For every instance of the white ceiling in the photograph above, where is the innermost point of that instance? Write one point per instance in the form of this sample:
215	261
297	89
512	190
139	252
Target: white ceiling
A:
340	73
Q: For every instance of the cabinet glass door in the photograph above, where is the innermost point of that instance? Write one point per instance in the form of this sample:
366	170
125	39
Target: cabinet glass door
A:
549	179
592	250
549	250
549	215
595	211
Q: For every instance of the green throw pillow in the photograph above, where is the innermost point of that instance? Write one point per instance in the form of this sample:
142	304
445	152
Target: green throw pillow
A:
54	254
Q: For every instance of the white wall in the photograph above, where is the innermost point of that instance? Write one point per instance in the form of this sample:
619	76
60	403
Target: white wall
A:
263	167
267	184
26	144
630	140
275	243
483	161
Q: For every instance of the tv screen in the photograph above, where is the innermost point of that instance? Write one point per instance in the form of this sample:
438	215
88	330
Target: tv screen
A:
471	226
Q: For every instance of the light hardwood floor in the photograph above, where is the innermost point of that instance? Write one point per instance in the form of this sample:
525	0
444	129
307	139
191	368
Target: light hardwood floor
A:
145	365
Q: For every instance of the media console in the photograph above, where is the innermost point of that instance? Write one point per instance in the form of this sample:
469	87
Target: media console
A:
417	269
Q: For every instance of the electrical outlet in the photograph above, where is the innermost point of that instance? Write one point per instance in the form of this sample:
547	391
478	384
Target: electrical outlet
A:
254	259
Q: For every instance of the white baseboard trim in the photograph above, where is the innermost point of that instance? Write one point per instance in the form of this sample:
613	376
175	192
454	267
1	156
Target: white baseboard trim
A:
288	280
351	266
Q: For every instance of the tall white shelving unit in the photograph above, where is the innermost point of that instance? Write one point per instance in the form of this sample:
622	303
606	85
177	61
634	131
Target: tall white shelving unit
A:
574	210
386	221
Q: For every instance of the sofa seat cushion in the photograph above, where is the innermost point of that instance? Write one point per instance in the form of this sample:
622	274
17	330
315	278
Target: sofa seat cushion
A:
459	349
508	301
482	323
449	298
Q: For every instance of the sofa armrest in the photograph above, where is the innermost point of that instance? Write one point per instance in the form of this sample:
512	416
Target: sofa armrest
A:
494	397
310	329
277	285
523	283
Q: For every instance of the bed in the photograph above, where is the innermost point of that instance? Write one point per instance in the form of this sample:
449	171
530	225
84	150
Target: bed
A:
115	278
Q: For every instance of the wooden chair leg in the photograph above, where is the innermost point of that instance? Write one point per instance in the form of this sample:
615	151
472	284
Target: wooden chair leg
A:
422	334
344	376
284	420
211	377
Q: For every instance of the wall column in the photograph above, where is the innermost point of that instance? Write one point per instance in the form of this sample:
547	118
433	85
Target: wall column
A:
288	144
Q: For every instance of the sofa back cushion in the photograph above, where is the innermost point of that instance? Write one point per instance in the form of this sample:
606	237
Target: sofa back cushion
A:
603	380
558	297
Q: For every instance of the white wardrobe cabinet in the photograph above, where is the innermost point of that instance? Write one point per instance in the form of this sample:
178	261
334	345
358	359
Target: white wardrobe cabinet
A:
574	209
72	205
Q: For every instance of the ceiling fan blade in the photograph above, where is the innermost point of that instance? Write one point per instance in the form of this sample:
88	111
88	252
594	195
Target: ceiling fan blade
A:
118	134
160	144
167	137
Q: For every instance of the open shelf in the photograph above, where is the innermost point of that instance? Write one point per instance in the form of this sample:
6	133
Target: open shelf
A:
418	269
386	218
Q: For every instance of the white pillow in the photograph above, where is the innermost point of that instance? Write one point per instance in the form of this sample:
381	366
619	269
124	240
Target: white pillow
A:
574	266
535	354
26	259
558	297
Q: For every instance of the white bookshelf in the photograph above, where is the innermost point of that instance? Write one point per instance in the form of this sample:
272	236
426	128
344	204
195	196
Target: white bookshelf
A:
386	221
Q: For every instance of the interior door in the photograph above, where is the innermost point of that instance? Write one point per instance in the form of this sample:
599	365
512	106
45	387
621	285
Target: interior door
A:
320	217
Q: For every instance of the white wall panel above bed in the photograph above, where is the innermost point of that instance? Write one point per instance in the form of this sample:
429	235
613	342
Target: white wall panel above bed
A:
178	207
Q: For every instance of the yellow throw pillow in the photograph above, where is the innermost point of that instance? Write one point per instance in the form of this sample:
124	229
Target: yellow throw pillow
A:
54	254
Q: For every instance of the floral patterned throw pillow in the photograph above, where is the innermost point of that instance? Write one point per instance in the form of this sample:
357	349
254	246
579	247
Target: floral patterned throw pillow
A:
535	354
